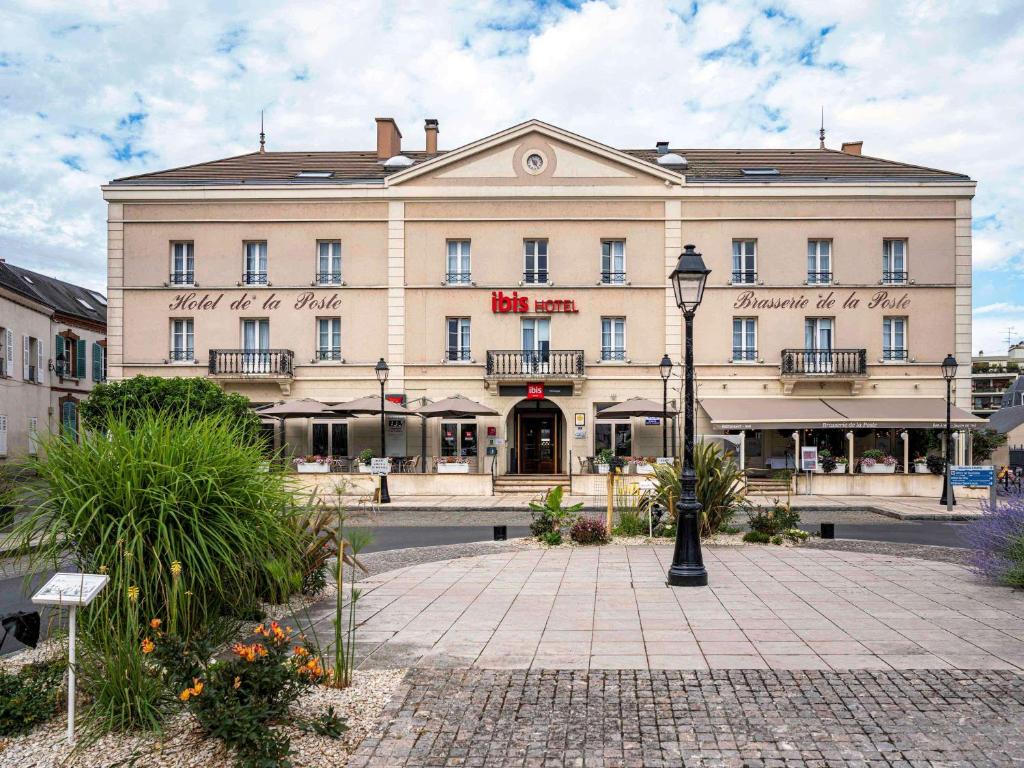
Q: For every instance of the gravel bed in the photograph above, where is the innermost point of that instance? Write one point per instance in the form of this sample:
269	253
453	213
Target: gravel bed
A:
183	745
956	555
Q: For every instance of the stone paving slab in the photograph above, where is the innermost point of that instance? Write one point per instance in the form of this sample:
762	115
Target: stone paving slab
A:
766	608
751	718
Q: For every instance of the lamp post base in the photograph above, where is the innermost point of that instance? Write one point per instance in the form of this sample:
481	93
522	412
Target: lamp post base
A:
687	576
385	497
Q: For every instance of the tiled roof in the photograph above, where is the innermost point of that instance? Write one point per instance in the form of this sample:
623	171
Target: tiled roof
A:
703	165
65	298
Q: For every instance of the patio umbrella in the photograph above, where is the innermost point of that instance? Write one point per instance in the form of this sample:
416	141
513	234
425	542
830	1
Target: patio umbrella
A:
368	406
635	406
454	407
303	408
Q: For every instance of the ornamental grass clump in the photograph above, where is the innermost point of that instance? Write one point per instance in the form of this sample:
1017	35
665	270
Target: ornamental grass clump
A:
188	524
997	539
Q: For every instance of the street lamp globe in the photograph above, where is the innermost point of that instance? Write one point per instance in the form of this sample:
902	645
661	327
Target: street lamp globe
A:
665	367
688	279
382	370
949	366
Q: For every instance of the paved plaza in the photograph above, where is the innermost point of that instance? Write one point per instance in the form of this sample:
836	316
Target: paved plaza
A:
766	607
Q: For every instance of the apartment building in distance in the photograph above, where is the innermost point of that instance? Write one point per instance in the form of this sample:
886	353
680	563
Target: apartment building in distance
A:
52	352
992	376
528	270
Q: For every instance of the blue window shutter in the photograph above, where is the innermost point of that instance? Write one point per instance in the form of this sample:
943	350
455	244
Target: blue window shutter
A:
97	362
58	347
80	360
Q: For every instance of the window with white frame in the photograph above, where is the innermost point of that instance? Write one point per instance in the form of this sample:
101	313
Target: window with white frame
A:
6	353
613	338
894	261
894	338
613	262
182	340
744	261
328	338
744	339
182	263
458	269
328	264
535	261
255	267
33	435
458	339
33	362
819	262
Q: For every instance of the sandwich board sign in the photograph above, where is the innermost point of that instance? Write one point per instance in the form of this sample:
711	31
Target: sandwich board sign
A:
71	590
809	458
380	466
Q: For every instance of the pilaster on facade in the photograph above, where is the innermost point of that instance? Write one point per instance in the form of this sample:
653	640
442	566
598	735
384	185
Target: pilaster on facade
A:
396	296
673	247
115	290
962	296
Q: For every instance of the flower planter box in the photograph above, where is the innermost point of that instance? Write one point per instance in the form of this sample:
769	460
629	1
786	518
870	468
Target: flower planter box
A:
312	468
921	467
365	469
839	470
453	469
604	469
879	469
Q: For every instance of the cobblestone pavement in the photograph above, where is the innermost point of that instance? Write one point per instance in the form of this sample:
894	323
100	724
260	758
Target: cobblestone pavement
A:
646	719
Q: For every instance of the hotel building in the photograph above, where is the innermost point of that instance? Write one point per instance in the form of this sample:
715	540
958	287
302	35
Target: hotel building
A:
528	271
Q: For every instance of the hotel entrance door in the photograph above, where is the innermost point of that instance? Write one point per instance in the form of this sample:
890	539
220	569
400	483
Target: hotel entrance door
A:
538	444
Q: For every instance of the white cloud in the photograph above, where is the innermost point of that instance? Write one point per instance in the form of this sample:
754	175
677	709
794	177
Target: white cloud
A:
930	83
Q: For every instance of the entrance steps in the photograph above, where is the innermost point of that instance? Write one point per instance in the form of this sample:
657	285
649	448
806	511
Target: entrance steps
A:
767	486
532	484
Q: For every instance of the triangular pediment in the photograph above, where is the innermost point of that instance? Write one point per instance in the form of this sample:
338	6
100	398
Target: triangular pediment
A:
534	153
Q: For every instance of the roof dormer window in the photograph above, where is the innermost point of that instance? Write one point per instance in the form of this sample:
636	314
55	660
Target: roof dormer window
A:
759	171
398	161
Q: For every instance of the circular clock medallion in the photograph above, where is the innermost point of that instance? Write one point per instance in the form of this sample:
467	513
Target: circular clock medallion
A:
534	162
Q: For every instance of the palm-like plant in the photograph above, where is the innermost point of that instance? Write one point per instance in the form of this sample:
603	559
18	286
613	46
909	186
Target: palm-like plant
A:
551	507
720	487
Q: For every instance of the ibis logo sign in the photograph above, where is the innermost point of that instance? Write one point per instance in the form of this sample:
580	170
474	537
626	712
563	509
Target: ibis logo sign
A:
501	303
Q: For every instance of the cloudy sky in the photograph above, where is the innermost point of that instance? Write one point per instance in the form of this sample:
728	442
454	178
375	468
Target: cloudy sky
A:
90	91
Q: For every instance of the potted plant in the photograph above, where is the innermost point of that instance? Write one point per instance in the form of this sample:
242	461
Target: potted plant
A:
312	465
452	465
875	462
920	464
826	462
365	457
605	459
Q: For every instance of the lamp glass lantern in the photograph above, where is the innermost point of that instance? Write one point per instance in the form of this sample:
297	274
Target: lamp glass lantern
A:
382	370
665	367
949	366
688	279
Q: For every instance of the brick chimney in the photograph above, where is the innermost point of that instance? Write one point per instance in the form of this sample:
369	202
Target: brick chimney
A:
389	138
431	129
853	147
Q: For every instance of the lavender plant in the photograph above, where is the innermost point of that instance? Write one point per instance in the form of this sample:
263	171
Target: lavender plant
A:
997	539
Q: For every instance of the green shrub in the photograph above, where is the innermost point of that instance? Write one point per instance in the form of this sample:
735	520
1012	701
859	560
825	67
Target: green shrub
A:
874	454
366	456
189	398
756	537
30	697
936	464
589	530
632	522
550	510
552	538
772	520
796	534
777	539
189	526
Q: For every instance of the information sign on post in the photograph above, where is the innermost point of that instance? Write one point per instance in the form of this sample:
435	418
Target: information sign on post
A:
809	458
974	476
380	466
72	590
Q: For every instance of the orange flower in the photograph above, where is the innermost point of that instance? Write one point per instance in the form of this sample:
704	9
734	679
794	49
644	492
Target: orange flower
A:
197	686
155	624
298	650
147	645
185	694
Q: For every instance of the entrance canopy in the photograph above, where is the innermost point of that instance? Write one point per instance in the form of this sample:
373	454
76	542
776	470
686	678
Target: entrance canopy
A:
738	413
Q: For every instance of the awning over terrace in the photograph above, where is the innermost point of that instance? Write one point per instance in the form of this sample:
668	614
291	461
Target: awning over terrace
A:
741	413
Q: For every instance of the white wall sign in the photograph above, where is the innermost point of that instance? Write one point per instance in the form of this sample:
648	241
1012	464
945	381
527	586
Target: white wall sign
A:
380	466
809	458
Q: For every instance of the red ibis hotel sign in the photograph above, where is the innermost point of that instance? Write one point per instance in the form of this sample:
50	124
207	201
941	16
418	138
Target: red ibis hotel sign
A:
535	391
503	304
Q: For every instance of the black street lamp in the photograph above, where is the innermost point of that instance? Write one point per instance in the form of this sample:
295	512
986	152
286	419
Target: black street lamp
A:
687	570
949	366
381	369
665	369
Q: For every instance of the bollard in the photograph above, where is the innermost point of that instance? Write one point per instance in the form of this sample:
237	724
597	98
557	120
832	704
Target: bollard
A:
828	530
500	533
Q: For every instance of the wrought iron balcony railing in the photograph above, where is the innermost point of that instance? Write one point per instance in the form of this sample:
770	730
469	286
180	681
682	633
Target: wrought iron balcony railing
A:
182	278
528	362
254	278
458	278
613	278
328	278
894	278
743	355
824	362
819	278
538	276
744	277
458	355
895	354
328	354
613	354
178	355
273	363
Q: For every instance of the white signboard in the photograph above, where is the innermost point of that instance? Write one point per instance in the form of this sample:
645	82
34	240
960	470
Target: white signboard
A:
71	589
809	458
380	466
665	460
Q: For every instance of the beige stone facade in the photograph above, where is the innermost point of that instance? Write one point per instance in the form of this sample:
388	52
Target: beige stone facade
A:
397	296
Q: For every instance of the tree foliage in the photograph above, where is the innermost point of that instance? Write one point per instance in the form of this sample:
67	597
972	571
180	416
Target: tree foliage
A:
984	443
